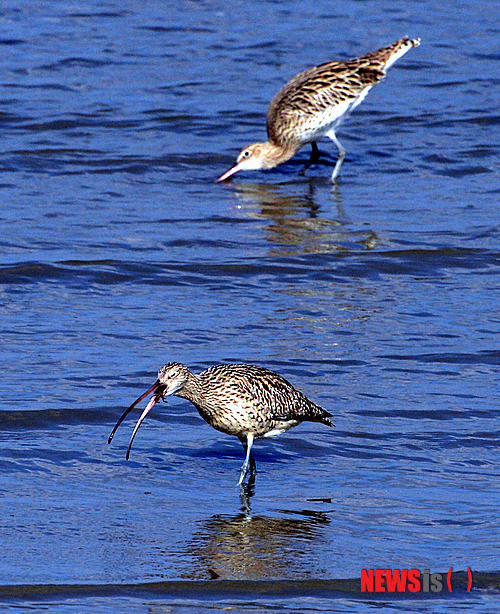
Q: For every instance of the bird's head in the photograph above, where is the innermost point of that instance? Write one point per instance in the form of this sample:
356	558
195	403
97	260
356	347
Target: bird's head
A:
171	378
252	158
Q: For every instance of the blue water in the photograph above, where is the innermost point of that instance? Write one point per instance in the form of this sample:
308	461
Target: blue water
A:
380	299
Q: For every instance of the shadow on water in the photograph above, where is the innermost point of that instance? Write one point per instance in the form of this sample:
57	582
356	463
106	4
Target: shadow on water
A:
294	218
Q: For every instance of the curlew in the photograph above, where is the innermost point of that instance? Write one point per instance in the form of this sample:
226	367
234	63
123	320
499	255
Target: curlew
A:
313	105
246	401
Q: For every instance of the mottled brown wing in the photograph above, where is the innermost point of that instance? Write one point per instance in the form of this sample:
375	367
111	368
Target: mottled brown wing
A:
315	90
276	397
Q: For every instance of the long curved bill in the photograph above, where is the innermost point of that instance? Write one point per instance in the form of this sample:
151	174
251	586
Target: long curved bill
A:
229	173
157	389
152	402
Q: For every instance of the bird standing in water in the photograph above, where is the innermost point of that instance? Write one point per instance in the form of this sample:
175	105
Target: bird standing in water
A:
313	104
242	400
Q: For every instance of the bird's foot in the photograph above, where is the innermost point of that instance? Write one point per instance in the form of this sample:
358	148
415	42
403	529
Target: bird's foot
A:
243	473
248	467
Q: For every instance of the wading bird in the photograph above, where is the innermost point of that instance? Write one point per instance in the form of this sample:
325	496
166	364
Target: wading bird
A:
313	104
242	400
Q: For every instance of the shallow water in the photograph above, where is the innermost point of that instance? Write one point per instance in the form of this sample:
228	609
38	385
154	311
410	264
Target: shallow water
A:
380	299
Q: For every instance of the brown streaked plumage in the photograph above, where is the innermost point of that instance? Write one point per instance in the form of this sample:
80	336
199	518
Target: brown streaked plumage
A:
242	400
313	104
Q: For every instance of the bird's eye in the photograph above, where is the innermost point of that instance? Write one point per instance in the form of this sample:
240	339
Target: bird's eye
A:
247	154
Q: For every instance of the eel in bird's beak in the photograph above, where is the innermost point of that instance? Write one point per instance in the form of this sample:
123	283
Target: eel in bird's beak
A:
158	389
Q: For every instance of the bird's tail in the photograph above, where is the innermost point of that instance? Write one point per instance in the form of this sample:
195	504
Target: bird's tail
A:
321	415
326	421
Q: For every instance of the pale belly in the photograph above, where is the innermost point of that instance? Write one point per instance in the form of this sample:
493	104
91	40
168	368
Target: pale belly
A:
238	421
281	427
318	126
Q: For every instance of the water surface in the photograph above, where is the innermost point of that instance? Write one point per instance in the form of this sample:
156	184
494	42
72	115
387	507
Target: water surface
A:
379	299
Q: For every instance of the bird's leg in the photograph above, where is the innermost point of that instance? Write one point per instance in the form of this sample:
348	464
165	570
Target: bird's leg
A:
249	464
342	153
315	154
253	468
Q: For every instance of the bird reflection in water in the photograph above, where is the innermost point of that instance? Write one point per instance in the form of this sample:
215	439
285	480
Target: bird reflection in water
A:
294	219
253	547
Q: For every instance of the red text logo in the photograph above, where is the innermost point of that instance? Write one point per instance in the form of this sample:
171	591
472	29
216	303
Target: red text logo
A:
402	580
